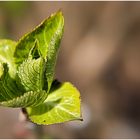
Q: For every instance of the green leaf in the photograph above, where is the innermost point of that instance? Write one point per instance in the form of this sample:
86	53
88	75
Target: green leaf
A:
47	38
27	74
31	98
7	48
8	86
31	74
62	104
12	96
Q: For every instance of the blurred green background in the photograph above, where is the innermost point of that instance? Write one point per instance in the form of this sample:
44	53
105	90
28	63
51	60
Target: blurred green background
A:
100	55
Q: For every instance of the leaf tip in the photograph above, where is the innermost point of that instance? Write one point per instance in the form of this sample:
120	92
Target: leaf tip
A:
59	13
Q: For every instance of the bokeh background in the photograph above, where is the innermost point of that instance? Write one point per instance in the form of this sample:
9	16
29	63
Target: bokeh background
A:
99	54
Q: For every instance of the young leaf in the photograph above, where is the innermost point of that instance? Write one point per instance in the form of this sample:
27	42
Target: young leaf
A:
62	104
27	74
47	37
8	86
31	74
31	98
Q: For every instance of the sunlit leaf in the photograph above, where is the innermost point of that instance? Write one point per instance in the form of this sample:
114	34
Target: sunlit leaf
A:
62	104
27	75
31	74
47	38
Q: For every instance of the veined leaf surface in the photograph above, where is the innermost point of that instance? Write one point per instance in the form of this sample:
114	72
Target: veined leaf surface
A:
47	38
31	98
31	74
27	75
62	104
8	86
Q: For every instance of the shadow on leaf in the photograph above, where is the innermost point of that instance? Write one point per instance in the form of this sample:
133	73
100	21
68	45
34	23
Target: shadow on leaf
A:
44	108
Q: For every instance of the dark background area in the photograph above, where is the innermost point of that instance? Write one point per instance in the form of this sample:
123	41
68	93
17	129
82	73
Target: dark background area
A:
99	54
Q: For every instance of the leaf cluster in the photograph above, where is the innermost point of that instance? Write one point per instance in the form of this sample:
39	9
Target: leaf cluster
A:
27	75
